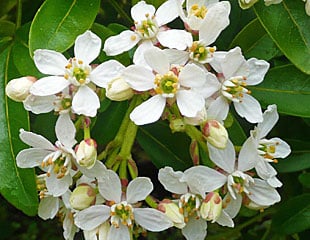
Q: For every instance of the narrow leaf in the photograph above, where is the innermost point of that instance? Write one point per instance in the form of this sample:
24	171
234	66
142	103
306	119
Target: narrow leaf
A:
57	23
304	178
288	25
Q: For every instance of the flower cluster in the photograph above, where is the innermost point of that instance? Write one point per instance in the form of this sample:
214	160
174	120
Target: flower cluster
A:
177	75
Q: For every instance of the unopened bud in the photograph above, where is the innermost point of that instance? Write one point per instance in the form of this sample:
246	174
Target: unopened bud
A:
269	2
86	153
211	207
194	152
177	125
307	7
119	90
82	197
245	4
215	133
18	89
173	213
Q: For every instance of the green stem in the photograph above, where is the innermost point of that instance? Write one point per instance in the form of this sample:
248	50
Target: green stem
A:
150	201
86	131
121	11
19	14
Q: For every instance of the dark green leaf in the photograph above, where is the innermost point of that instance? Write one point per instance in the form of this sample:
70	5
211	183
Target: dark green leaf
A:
163	147
16	185
57	23
304	178
255	42
287	87
288	25
293	216
236	133
7	28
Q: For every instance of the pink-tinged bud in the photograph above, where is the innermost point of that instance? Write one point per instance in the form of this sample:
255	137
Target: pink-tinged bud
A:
86	153
194	152
215	133
18	89
177	125
172	211
119	90
211	207
245	4
82	197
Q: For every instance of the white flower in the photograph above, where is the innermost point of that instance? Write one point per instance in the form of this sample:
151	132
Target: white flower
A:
168	82
234	74
209	16
268	149
122	212
149	28
75	73
238	181
55	160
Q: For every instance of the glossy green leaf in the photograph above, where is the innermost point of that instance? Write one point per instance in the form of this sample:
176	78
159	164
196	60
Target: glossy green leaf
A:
163	147
16	185
7	28
288	25
293	216
298	159
255	42
304	178
236	133
287	87
57	23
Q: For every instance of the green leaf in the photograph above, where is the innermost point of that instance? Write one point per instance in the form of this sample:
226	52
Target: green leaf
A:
57	23
288	25
304	178
163	147
255	42
287	87
16	185
298	159
7	28
293	216
236	133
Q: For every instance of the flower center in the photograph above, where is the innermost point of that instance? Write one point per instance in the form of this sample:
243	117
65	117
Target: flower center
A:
147	28
239	182
267	149
201	53
122	213
166	84
77	72
234	88
197	11
189	206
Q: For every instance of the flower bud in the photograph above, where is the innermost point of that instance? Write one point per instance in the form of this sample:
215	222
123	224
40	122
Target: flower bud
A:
173	213
307	7
211	207
86	153
119	90
18	89
245	4
215	133
82	197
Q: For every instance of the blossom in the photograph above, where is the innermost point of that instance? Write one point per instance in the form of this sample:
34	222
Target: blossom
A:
267	150
75	73
168	83
55	160
149	28
234	74
122	212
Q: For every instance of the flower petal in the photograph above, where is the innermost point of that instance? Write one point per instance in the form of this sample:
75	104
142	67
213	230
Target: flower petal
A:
232	205
120	43
218	109
97	171
38	105
225	220
92	217
282	148
138	189
106	72
157	60
119	233
138	77
212	85
85	102
192	76
48	207
216	20
250	109
87	47
110	186
167	12
65	130
232	63
189	102
195	229
141	9
35	140
175	38
32	157
56	186
258	70
152	219
171	180
50	62
202	179
49	85
223	158
138	57
176	56
248	156
270	118
149	111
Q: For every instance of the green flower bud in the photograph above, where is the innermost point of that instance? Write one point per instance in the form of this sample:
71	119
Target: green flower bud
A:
86	153
119	90
172	211
211	207
82	197
215	133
